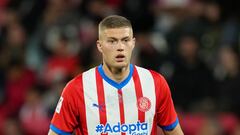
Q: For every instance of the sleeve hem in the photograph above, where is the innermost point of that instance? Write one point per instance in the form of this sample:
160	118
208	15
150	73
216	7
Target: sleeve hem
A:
58	131
171	126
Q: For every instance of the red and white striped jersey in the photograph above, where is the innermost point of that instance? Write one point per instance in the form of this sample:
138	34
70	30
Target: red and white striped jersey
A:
93	104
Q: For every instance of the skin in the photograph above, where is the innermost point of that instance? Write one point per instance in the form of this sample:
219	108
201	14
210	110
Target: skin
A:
51	132
116	46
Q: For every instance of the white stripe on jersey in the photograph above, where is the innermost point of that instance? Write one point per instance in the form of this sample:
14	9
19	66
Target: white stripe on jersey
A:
130	101
148	90
90	96
111	103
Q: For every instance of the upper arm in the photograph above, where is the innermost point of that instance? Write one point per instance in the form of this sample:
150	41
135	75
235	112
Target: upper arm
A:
64	120
176	131
166	115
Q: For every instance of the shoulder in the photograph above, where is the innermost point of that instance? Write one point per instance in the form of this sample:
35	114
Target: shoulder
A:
155	75
76	84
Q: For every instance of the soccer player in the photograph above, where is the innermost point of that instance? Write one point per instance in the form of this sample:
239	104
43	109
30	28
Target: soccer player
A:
116	97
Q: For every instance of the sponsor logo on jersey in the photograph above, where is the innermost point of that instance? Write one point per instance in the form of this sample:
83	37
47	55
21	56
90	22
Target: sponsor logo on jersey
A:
59	105
137	128
144	104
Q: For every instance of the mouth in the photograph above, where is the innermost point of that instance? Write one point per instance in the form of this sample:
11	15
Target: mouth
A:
120	58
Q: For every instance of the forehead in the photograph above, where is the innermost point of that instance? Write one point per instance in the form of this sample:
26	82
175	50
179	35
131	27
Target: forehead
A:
117	32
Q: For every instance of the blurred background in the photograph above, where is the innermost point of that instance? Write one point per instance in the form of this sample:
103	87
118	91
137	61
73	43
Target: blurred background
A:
194	44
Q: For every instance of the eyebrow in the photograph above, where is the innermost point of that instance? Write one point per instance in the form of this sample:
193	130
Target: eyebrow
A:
127	37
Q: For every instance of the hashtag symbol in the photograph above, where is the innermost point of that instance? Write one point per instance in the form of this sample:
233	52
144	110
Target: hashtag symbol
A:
99	128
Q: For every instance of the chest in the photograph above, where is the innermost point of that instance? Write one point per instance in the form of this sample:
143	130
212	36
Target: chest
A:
131	105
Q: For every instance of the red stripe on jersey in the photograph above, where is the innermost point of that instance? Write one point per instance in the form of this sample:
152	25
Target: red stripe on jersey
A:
139	94
83	125
101	98
154	127
157	87
121	105
157	92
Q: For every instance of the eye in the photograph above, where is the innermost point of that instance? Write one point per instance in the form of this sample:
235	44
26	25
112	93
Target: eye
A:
111	41
126	40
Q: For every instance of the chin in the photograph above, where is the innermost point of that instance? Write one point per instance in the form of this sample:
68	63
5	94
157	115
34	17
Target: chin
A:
120	65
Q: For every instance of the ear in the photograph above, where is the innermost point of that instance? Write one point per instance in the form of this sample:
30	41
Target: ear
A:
133	42
99	46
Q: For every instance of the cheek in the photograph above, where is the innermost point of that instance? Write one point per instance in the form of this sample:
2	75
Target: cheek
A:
130	49
107	52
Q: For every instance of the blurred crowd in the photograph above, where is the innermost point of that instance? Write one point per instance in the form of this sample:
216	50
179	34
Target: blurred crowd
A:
194	44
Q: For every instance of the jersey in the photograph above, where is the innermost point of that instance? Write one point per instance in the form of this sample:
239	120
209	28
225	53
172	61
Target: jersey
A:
93	104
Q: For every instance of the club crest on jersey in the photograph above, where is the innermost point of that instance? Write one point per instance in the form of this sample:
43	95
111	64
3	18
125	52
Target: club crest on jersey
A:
144	104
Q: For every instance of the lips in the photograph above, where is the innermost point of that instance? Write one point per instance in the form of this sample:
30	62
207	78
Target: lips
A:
120	58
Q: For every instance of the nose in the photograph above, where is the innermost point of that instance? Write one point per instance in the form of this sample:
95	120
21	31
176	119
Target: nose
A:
120	47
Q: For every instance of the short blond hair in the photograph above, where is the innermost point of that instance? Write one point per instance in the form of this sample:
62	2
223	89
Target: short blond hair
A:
113	21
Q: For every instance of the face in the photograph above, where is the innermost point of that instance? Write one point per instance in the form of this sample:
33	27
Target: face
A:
116	46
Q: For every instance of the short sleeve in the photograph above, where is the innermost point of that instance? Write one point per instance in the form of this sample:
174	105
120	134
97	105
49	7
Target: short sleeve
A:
166	114
64	120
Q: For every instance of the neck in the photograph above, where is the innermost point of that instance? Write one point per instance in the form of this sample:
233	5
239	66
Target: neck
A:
116	74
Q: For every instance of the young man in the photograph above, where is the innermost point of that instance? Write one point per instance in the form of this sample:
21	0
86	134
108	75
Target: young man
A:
116	98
